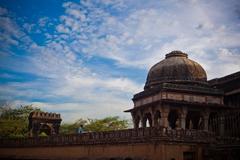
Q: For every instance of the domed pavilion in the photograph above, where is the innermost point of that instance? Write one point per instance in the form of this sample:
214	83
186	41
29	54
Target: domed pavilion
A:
176	68
176	96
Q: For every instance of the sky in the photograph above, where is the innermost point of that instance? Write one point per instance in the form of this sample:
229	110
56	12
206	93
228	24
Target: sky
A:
87	58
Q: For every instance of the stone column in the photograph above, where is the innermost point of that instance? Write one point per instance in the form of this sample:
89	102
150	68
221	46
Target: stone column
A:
134	120
154	123
143	120
155	119
164	115
134	123
205	116
221	125
205	121
183	116
151	122
161	121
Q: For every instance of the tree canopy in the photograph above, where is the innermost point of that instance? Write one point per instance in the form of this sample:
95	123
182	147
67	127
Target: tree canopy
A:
7	112
95	125
14	121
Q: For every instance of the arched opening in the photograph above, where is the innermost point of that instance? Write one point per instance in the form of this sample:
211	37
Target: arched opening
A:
45	129
173	119
157	119
194	120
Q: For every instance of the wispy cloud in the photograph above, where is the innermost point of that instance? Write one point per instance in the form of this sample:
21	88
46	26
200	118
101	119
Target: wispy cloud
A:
145	35
65	77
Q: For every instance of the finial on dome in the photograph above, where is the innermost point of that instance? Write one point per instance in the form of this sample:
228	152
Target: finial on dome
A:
176	54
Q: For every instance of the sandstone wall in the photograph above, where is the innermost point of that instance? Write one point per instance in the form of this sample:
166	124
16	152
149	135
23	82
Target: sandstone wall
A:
143	151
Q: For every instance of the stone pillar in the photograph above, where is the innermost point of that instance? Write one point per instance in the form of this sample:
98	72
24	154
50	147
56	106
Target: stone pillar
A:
154	122
155	119
151	122
205	121
221	125
165	113
134	120
143	121
135	123
161	121
183	116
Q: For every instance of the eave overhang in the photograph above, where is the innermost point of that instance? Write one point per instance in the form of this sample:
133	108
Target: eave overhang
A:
181	103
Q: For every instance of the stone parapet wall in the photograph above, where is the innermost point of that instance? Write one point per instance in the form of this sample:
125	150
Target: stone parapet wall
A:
141	135
45	115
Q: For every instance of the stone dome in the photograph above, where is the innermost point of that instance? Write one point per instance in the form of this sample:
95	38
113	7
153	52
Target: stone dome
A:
176	68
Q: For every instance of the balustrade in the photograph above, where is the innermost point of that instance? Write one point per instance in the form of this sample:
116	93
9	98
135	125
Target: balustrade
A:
141	134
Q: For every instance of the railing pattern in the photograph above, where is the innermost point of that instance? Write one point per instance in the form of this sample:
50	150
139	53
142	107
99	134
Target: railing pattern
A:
228	141
229	120
192	88
142	135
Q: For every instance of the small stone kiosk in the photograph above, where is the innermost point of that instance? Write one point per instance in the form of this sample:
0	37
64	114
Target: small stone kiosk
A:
48	123
177	95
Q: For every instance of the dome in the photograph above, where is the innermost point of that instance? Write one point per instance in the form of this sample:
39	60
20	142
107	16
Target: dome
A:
176	68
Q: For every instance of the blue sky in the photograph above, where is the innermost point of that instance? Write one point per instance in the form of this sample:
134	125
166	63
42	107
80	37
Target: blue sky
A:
88	58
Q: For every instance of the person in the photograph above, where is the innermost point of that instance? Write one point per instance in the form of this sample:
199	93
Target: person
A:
80	129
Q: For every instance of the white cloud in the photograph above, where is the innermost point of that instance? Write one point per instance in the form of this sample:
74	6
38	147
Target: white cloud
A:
3	11
70	112
12	34
62	29
91	94
228	56
76	14
89	88
28	27
43	21
144	36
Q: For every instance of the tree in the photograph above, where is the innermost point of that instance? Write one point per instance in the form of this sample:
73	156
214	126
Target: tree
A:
95	125
14	121
106	124
71	128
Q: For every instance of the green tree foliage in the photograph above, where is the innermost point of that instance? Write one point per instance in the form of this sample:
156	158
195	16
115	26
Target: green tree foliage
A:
14	121
106	124
67	128
95	125
71	128
7	112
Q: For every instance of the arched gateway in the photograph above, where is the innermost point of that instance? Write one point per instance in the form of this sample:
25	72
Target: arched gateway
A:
48	123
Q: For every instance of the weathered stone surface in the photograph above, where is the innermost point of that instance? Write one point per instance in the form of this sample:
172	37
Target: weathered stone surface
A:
145	143
43	122
176	68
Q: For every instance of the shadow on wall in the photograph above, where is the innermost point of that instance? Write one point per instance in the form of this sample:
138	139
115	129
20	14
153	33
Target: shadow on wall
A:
82	158
121	159
117	158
